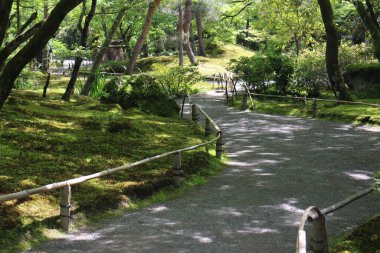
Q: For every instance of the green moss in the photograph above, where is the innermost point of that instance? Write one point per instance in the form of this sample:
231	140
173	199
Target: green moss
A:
48	140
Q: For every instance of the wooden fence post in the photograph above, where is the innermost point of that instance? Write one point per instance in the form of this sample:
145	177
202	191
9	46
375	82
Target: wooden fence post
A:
177	166
219	146
207	127
305	101
315	108
319	243
245	100
194	114
65	205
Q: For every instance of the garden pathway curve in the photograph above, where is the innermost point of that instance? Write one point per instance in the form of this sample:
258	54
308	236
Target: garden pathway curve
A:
277	167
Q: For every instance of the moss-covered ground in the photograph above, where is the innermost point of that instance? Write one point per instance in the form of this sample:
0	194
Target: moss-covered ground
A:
48	140
363	239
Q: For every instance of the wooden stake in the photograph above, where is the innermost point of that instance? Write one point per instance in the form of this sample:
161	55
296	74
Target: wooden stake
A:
319	242
177	166
315	108
194	114
244	104
219	146
65	205
208	127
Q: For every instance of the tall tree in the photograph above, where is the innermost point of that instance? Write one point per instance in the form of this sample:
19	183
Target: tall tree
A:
332	50
370	21
41	37
180	32
83	43
144	32
99	56
186	29
198	17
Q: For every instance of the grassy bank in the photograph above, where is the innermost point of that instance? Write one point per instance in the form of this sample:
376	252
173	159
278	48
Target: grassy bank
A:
47	140
355	114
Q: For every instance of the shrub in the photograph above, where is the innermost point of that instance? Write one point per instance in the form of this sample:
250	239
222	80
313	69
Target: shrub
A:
177	80
256	71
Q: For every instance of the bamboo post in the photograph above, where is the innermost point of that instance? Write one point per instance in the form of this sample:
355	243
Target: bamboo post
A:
319	242
194	113
301	242
244	104
207	127
219	146
177	172
315	108
65	205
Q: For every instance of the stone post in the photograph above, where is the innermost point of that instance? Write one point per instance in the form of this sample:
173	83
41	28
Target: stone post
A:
194	113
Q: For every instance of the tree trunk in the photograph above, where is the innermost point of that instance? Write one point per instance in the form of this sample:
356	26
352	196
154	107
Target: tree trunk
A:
144	32
370	22
99	56
18	16
5	10
202	49
186	30
332	50
180	33
192	39
13	68
45	51
9	48
247	27
83	42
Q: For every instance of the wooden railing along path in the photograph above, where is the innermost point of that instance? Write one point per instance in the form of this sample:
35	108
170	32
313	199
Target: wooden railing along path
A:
319	240
65	186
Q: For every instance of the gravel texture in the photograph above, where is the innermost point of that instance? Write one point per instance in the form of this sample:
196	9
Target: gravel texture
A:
278	166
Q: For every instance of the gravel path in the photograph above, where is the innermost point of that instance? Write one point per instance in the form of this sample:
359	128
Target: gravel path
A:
278	166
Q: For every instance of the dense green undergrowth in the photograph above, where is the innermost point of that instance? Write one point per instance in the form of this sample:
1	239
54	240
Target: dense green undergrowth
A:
48	140
348	113
363	239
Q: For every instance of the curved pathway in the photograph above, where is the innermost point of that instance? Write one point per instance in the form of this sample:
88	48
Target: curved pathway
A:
278	166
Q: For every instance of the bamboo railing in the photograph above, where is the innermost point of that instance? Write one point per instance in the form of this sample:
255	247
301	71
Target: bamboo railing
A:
319	241
65	186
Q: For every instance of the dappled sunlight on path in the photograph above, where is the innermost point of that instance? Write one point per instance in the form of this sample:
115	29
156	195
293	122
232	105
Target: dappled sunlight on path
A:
277	167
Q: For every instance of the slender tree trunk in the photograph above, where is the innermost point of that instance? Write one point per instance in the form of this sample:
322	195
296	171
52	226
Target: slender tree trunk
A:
198	16
45	51
368	17
192	39
180	33
13	68
83	42
18	16
332	50
186	30
99	56
5	10
144	32
247	27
